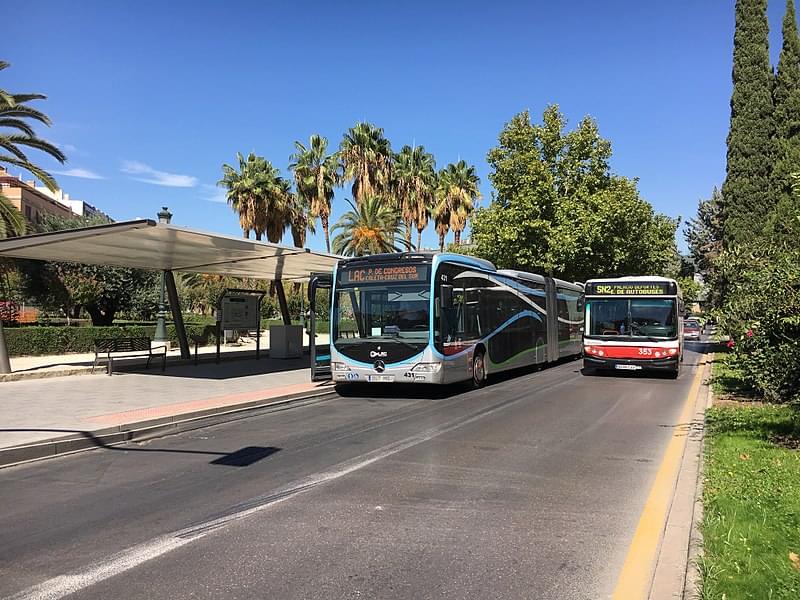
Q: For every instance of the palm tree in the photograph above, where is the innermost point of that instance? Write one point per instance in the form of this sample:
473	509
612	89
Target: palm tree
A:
295	215
415	187
456	194
16	133
371	227
256	192
366	157
244	192
316	173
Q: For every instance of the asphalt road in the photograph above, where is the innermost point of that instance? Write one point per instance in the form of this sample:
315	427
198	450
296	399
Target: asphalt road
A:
529	488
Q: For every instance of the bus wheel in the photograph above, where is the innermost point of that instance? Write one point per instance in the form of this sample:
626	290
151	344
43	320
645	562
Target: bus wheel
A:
478	369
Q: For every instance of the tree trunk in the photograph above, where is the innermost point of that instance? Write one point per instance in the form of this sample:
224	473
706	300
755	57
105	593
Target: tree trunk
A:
408	236
99	316
419	240
324	219
441	242
457	236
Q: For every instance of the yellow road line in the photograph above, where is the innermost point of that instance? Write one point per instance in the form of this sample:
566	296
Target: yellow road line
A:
637	572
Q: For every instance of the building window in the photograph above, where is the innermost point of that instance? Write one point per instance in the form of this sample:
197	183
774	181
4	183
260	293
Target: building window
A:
28	213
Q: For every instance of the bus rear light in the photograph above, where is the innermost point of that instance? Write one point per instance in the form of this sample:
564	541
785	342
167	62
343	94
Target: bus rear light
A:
658	354
338	366
673	351
600	353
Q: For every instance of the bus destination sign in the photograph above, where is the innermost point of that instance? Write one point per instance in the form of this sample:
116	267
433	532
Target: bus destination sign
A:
643	288
384	274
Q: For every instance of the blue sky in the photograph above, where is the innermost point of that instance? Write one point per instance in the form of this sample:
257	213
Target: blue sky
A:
152	97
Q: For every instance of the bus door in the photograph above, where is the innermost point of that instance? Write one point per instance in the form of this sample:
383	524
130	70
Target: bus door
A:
319	348
552	319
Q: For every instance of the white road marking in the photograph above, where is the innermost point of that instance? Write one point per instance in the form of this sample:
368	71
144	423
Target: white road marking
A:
63	585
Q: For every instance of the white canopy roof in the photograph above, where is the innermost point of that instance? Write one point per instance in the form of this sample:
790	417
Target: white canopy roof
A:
145	244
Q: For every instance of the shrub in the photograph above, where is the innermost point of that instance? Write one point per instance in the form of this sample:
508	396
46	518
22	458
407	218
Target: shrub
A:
36	341
761	314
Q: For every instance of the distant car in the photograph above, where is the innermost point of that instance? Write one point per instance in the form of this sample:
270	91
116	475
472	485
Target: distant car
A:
691	329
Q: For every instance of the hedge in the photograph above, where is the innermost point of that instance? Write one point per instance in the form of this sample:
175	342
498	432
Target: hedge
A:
36	341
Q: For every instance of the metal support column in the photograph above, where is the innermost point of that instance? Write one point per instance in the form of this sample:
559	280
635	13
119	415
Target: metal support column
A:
177	316
5	363
287	319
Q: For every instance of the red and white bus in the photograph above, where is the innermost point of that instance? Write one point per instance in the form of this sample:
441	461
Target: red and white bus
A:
633	323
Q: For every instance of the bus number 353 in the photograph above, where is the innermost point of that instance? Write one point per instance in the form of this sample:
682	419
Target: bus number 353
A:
645	351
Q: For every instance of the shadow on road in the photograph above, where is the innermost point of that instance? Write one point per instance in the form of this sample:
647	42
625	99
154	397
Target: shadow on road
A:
240	458
227	369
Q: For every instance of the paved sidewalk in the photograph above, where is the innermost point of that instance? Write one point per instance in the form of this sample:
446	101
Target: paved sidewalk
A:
37	367
38	410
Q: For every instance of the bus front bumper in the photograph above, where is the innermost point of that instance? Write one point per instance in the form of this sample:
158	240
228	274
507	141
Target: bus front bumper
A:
631	364
402	374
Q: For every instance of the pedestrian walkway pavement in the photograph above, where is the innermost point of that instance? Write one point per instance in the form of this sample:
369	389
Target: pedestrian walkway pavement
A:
41	411
37	367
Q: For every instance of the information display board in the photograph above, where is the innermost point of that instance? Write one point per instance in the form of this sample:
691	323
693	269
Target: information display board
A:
631	288
239	312
383	274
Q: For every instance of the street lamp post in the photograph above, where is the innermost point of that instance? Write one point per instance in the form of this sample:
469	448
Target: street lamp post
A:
164	216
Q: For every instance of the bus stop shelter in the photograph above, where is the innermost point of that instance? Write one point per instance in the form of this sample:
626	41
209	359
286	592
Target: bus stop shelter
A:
145	244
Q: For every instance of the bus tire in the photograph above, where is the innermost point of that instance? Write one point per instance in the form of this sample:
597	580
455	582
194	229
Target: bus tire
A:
478	369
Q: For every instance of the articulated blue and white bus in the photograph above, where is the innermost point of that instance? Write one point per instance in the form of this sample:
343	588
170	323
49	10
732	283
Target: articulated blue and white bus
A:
442	318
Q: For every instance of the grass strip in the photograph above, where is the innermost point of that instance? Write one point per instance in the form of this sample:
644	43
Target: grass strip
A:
751	497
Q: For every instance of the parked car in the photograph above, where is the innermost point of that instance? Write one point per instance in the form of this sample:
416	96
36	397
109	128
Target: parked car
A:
691	329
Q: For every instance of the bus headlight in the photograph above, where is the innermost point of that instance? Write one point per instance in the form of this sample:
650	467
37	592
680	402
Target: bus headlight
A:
338	366
426	367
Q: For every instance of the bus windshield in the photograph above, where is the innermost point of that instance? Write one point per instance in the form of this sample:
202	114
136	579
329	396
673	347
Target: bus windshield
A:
632	317
389	312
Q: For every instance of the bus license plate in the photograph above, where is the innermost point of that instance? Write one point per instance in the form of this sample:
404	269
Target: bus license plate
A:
380	378
628	367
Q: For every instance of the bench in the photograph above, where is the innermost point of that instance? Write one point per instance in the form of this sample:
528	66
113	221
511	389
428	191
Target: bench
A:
130	347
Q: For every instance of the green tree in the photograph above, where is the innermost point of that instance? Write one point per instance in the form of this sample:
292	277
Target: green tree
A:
703	233
748	199
559	209
787	119
371	227
415	187
101	291
366	157
316	173
456	193
691	290
610	233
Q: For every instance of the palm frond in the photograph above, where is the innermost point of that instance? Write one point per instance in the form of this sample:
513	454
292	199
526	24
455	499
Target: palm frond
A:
37	172
17	124
11	220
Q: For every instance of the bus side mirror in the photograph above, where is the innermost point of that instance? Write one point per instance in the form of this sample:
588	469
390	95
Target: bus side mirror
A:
446	296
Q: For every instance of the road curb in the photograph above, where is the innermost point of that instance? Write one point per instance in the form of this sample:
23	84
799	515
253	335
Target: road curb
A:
675	573
82	441
46	374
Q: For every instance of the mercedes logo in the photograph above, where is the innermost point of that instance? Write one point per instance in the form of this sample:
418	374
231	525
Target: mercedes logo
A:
380	367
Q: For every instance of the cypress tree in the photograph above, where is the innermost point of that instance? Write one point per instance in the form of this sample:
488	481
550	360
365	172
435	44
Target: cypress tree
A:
787	101
787	121
747	197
